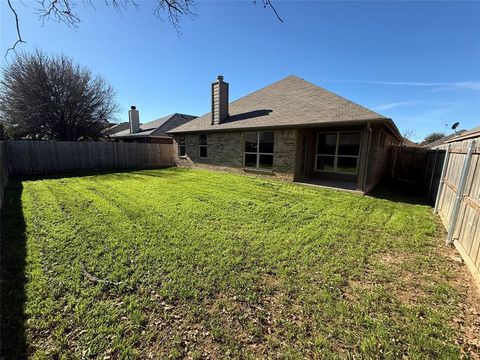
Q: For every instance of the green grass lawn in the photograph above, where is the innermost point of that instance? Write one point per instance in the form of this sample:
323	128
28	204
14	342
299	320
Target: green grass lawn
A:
206	264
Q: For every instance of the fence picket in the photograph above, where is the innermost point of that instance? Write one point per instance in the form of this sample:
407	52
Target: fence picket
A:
46	157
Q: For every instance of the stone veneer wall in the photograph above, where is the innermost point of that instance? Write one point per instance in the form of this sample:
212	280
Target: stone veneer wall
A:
226	149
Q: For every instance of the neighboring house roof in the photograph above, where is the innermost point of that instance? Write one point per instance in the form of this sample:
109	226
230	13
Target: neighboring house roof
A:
409	143
290	102
156	128
470	134
116	128
443	140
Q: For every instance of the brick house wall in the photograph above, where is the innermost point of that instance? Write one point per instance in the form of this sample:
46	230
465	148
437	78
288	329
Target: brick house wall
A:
227	149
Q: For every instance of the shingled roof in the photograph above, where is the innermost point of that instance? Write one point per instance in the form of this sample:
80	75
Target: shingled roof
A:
290	102
156	128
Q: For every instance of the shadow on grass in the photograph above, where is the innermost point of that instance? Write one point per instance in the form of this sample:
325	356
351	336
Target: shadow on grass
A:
123	173
401	191
12	275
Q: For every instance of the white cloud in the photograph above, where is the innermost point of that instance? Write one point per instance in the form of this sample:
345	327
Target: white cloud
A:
469	85
391	105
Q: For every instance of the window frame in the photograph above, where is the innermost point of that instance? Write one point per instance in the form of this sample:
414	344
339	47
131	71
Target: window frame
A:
182	144
258	153
200	146
336	155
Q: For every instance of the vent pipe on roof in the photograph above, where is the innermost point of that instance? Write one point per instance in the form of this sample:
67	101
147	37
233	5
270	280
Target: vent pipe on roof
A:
134	120
219	101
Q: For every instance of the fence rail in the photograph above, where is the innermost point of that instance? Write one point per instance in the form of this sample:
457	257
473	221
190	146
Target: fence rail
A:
48	157
458	200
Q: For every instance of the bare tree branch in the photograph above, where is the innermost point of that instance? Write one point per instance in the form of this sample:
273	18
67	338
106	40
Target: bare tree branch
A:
19	35
63	11
59	10
268	3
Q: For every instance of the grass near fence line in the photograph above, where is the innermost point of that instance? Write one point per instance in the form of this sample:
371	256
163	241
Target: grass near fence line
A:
193	263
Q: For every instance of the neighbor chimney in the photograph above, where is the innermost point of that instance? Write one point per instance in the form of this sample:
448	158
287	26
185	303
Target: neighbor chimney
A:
134	120
219	101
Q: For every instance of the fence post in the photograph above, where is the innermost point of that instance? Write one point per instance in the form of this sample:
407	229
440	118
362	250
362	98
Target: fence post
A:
442	179
460	190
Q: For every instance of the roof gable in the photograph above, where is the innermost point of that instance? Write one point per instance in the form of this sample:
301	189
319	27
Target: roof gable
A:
291	101
157	127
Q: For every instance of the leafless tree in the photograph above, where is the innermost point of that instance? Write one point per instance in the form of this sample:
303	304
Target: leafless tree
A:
408	135
63	11
51	97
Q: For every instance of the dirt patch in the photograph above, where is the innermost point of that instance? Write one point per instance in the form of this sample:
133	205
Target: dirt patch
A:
467	319
409	288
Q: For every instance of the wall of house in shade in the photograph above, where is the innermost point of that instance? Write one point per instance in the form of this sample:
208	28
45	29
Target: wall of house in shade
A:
379	155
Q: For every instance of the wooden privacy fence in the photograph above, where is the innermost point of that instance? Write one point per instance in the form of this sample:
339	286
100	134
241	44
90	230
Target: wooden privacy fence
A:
48	157
458	199
3	172
408	163
433	172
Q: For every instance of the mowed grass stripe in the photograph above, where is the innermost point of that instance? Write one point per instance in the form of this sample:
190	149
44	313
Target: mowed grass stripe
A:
252	267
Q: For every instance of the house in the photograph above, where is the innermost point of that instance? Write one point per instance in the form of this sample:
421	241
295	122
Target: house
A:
152	132
408	143
293	129
115	128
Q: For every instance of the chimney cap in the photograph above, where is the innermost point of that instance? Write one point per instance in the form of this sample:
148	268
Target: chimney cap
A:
133	107
220	77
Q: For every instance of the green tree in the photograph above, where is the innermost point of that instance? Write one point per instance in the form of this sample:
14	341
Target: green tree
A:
433	137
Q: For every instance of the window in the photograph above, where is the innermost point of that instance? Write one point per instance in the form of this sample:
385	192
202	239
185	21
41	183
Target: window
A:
259	149
181	145
338	152
202	145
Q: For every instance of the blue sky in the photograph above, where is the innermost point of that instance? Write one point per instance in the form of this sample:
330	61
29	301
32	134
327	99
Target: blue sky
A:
416	62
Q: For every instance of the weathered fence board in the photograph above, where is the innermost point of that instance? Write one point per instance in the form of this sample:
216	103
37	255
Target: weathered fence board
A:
408	163
465	226
3	172
49	157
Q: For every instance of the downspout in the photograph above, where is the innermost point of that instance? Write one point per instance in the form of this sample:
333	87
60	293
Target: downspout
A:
442	179
366	158
460	190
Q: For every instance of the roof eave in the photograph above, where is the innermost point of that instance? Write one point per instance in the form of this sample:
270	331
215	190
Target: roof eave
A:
216	128
133	136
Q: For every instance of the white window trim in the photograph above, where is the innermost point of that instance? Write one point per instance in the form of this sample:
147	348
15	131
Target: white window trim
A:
200	146
336	155
258	153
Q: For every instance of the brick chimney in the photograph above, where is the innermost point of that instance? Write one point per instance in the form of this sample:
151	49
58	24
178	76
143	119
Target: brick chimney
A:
219	101
134	120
